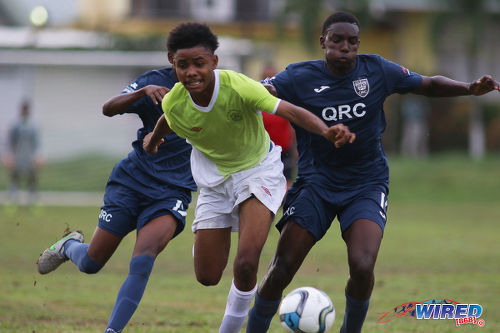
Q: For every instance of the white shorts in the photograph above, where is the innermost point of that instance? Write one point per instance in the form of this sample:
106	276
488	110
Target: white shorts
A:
217	206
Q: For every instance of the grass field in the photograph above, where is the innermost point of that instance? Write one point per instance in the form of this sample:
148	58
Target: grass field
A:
441	241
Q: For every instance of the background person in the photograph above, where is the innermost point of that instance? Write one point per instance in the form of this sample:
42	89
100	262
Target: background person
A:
22	159
415	131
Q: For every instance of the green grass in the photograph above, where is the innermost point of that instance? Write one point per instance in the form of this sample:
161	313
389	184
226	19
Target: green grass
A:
450	178
441	241
83	173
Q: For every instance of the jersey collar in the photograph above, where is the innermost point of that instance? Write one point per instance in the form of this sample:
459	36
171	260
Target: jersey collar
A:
215	94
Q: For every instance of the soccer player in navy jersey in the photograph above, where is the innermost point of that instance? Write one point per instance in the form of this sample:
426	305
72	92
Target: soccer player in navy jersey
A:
146	192
351	182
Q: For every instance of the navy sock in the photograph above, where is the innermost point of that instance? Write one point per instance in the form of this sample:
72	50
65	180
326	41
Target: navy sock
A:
131	292
261	314
77	253
355	313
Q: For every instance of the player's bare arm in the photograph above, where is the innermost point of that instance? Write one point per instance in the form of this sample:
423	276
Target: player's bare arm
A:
338	134
483	85
156	93
120	103
152	140
441	86
271	89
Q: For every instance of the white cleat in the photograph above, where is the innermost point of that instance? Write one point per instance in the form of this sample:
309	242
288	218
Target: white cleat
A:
53	257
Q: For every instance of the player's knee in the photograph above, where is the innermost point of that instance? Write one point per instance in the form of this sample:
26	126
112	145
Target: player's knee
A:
209	273
361	268
151	247
208	279
245	268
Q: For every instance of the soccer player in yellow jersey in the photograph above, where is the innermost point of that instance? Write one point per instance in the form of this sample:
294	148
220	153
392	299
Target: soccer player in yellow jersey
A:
235	165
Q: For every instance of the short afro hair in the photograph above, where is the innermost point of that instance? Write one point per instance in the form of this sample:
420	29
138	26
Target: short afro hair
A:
339	17
188	35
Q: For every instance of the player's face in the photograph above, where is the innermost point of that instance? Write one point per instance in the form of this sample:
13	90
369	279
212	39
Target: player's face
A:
341	43
194	68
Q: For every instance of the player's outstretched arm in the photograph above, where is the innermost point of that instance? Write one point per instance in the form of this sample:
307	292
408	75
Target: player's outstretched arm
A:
152	140
120	103
339	134
271	89
441	86
484	85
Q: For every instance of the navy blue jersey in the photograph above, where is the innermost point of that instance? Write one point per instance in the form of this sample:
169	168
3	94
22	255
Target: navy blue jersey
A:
171	165
356	100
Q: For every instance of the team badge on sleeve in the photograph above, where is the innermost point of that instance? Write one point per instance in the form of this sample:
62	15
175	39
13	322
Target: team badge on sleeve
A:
406	71
131	88
361	87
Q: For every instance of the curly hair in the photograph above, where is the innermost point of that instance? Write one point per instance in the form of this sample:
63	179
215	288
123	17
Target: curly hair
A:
339	17
191	34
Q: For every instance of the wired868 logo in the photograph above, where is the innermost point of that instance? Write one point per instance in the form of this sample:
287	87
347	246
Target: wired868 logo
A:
438	309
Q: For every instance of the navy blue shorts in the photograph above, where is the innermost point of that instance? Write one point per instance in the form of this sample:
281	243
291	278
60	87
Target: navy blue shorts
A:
315	211
126	209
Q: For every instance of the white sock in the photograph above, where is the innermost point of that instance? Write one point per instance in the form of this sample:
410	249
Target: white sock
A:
238	303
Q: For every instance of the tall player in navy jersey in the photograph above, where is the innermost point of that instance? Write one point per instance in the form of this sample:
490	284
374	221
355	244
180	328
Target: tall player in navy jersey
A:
146	192
351	182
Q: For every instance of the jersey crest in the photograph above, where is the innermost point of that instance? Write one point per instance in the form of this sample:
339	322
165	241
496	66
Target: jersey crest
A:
361	87
234	115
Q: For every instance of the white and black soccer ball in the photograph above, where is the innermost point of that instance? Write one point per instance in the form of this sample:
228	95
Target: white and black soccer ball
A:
306	310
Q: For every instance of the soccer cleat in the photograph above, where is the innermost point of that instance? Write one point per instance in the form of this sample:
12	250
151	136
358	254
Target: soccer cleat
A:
53	257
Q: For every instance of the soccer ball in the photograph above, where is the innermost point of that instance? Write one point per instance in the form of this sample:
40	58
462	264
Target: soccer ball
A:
307	310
